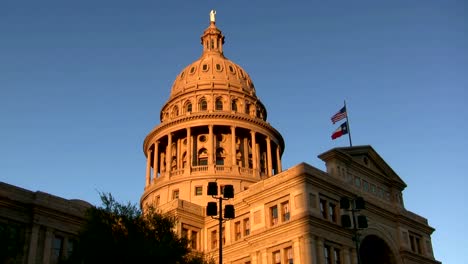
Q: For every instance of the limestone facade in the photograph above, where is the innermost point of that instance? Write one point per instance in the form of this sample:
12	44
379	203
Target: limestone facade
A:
214	128
43	225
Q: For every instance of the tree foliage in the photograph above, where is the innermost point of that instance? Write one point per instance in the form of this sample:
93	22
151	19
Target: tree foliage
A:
121	233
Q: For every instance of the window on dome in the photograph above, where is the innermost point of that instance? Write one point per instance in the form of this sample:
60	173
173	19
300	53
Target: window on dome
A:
205	67
203	105
182	75
219	104
231	69
220	155
218	67
188	107
192	70
203	157
175	111
234	105
212	44
247	107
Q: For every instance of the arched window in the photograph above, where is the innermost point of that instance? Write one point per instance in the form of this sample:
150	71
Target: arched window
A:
259	112
188	107
202	157
247	107
234	105
220	156
219	104
175	111
203	105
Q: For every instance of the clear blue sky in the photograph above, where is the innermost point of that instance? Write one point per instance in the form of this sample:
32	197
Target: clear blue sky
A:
82	83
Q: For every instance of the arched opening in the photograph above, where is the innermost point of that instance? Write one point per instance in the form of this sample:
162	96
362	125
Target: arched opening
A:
374	250
203	105
219	104
234	105
188	107
175	111
220	156
203	157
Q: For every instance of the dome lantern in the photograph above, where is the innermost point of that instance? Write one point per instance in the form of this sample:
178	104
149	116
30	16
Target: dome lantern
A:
212	39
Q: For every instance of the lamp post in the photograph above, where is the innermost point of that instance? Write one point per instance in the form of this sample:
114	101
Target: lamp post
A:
354	206
212	209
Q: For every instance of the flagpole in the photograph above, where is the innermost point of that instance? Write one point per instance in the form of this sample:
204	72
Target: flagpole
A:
347	124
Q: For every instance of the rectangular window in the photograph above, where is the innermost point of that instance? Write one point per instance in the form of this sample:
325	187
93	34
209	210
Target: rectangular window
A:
336	256
285	211
274	215
332	212
276	257
175	194
57	249
289	257
214	239
70	247
194	239
365	185
357	182
185	232
415	242
237	230
323	208
326	254
198	190
246	227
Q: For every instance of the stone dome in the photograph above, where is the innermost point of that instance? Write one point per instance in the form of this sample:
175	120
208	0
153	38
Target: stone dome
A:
212	69
212	75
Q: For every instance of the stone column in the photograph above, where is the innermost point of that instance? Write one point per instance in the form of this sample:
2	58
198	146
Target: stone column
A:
320	249
233	146
264	256
353	256
269	161
156	160
253	141
148	167
179	156
33	244
211	151
49	236
189	148
278	159
169	154
309	251
297	251
346	256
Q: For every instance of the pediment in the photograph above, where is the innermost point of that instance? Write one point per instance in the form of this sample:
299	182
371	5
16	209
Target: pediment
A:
366	157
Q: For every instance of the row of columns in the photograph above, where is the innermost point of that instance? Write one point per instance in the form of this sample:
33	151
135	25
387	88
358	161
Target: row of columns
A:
212	154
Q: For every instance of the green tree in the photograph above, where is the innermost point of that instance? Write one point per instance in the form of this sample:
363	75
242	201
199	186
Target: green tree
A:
121	233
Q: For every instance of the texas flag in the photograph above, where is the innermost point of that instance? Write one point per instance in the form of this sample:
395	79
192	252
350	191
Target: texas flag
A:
341	130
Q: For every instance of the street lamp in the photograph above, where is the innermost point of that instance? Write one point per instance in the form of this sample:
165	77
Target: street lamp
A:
212	209
354	206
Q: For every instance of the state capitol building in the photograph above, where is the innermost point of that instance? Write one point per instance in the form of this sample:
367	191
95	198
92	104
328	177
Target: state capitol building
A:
214	129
